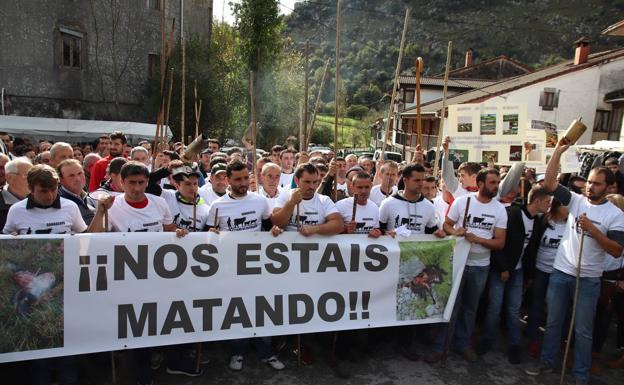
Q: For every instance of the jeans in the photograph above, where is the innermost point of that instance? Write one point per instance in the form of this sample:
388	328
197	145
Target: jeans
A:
511	293
474	280
537	306
559	296
261	344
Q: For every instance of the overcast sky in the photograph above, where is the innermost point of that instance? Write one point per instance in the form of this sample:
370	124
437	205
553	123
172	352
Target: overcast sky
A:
220	8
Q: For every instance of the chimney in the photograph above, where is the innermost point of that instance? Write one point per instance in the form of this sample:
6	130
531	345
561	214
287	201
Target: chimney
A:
582	51
468	58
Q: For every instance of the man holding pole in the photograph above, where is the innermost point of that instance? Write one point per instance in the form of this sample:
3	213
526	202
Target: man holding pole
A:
483	221
594	228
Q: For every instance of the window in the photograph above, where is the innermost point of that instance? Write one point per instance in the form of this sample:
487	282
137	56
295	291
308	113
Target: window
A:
408	96
153	64
71	48
154	4
549	99
601	123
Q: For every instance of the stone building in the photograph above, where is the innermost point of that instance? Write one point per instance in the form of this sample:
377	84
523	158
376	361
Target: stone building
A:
87	59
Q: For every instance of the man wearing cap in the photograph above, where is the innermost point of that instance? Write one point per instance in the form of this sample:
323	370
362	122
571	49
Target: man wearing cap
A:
217	187
204	162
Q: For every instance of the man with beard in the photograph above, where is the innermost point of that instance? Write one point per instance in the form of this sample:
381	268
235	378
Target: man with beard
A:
486	223
98	171
366	219
409	207
505	282
601	224
241	211
317	213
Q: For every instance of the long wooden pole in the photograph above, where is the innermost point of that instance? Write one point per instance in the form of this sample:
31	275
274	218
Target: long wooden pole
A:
306	86
336	93
419	68
394	86
183	85
252	95
441	128
316	105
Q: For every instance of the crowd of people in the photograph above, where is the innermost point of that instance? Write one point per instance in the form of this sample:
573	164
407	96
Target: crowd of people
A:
525	231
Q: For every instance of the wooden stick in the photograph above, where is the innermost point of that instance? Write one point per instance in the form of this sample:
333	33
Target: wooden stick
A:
574	303
306	86
183	85
298	218
466	212
254	125
419	68
336	93
113	369
354	209
298	349
163	45
522	192
316	105
199	110
216	220
198	349
194	212
169	93
441	128
394	87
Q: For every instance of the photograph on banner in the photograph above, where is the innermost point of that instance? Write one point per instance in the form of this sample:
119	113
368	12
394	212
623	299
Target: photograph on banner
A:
31	294
486	132
543	137
425	276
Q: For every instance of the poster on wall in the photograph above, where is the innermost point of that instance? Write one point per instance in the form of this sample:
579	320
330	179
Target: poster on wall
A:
487	132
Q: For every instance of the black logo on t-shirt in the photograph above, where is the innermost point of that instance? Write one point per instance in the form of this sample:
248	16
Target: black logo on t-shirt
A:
241	223
479	222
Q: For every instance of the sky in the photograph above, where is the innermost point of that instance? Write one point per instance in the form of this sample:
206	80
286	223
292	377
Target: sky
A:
220	8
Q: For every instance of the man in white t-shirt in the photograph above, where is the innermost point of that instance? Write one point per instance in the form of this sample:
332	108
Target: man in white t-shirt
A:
600	226
287	161
270	188
409	207
45	212
387	178
16	188
366	219
317	214
217	187
241	211
484	227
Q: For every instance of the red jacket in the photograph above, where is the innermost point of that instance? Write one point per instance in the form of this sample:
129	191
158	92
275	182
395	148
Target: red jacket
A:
98	172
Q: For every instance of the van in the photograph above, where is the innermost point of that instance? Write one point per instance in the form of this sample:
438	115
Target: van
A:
388	155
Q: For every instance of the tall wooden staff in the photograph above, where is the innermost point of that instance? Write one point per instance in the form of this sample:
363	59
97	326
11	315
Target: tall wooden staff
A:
302	138
394	86
419	68
316	105
441	129
252	95
337	92
183	85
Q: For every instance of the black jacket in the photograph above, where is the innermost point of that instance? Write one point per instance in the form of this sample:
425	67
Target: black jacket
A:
507	258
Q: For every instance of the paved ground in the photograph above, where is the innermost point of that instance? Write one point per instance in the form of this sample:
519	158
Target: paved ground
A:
382	365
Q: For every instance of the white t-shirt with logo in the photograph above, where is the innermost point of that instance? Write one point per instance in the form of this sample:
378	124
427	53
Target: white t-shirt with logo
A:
377	196
36	220
606	217
528	231
183	212
366	216
124	218
208	194
286	180
240	214
548	246
312	211
271	200
482	219
396	212
440	207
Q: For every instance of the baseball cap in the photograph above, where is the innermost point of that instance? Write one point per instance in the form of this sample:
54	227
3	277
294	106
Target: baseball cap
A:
206	151
540	178
184	170
217	168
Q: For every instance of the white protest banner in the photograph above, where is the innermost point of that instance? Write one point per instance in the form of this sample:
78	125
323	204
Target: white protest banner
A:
62	295
483	132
